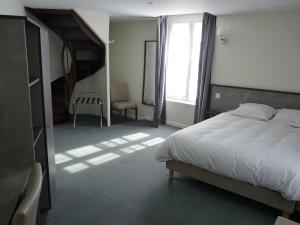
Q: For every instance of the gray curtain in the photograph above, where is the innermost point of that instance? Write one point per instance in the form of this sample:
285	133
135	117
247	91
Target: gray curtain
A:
205	65
160	72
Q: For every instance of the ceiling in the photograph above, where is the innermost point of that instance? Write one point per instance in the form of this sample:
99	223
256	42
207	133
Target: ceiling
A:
152	8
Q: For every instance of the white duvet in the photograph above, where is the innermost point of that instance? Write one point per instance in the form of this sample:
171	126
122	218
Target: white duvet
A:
265	154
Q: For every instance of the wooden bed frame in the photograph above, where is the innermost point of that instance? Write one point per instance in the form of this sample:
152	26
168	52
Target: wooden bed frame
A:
230	99
262	195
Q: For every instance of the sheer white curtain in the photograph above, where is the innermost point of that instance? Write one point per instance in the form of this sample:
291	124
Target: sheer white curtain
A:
183	57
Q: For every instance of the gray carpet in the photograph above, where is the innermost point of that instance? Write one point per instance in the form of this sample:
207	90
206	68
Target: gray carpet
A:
112	178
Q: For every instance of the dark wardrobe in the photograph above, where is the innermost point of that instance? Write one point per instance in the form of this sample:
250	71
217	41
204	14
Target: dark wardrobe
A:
26	128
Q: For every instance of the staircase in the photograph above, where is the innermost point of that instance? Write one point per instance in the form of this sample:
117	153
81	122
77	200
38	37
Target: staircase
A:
87	53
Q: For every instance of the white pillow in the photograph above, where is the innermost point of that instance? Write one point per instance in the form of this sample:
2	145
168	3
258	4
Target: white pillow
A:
255	111
288	116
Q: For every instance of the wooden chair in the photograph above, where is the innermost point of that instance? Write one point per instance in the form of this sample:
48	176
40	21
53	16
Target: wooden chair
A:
26	213
119	99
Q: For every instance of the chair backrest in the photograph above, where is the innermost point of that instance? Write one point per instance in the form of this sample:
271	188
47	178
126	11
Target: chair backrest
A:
27	210
118	92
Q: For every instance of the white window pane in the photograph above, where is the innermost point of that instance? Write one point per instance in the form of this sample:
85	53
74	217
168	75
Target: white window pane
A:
197	32
178	60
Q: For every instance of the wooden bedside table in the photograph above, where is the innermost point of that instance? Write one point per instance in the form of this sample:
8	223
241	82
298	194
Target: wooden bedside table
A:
210	114
283	221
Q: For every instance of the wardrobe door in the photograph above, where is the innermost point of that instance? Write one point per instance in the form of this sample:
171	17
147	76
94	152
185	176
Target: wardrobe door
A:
48	107
15	116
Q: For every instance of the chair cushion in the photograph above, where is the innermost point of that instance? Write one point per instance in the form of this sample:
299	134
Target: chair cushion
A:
123	105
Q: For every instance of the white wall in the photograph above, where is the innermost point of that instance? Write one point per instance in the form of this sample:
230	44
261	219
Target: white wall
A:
99	82
127	58
11	7
263	51
97	21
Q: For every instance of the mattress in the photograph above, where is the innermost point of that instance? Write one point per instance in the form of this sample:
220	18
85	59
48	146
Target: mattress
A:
265	154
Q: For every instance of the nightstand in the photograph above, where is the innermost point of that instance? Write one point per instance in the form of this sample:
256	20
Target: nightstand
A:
283	221
210	114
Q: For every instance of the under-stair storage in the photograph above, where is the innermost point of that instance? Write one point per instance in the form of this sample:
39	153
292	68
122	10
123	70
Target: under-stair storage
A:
86	54
26	118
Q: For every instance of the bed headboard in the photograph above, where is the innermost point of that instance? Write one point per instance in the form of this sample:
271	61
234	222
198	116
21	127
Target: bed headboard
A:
231	97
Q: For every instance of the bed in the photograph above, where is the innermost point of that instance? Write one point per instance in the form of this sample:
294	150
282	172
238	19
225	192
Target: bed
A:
255	159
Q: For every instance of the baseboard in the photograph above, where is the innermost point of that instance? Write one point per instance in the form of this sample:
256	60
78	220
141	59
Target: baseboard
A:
176	124
150	118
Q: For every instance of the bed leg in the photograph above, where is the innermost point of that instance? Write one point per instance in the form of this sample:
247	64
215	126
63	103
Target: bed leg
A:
286	215
171	174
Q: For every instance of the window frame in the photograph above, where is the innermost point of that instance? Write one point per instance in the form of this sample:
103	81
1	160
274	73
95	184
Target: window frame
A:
191	20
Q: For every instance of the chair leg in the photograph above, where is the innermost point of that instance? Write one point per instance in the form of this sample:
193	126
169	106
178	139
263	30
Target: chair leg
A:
125	114
136	113
74	114
38	216
286	215
101	114
120	114
111	111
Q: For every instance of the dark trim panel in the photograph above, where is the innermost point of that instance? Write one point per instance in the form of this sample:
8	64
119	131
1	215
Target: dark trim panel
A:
231	97
13	17
255	89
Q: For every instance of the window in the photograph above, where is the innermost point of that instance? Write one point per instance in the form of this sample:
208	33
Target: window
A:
183	59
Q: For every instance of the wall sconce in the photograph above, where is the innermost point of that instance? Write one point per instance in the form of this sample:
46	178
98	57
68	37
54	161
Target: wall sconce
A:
222	36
